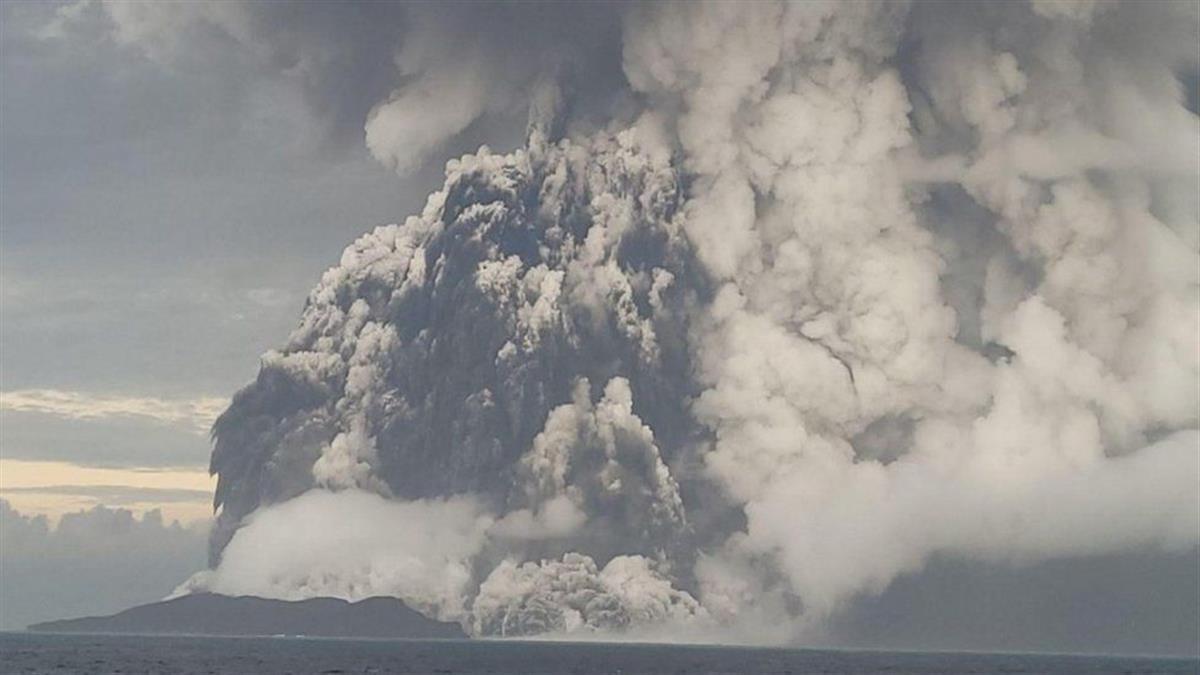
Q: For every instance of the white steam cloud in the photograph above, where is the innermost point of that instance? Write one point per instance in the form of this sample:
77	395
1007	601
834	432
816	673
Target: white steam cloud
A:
835	287
831	313
572	595
354	545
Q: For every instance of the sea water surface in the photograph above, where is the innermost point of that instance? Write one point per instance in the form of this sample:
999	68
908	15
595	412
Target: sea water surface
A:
42	653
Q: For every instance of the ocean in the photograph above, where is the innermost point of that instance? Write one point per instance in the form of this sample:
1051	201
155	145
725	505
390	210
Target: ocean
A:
40	653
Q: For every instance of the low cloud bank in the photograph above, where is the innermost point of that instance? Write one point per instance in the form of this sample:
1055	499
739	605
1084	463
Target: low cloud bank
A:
93	562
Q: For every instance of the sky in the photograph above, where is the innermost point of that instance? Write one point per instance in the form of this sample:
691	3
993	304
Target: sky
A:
161	222
175	179
161	227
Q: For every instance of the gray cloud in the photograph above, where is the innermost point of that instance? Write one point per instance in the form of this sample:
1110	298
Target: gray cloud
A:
408	76
109	442
93	562
196	414
133	192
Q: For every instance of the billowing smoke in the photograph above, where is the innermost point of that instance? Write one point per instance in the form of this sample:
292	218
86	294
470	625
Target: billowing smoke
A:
567	596
354	545
831	289
523	344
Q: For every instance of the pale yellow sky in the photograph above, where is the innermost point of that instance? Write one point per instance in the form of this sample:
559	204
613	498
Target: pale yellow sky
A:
55	488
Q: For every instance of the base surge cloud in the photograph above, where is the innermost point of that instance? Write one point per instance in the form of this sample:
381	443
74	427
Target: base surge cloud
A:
829	290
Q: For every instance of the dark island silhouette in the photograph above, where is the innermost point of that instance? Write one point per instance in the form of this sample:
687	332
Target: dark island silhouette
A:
211	614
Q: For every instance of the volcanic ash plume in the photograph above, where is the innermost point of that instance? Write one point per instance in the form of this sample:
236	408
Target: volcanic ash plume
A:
522	343
853	285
